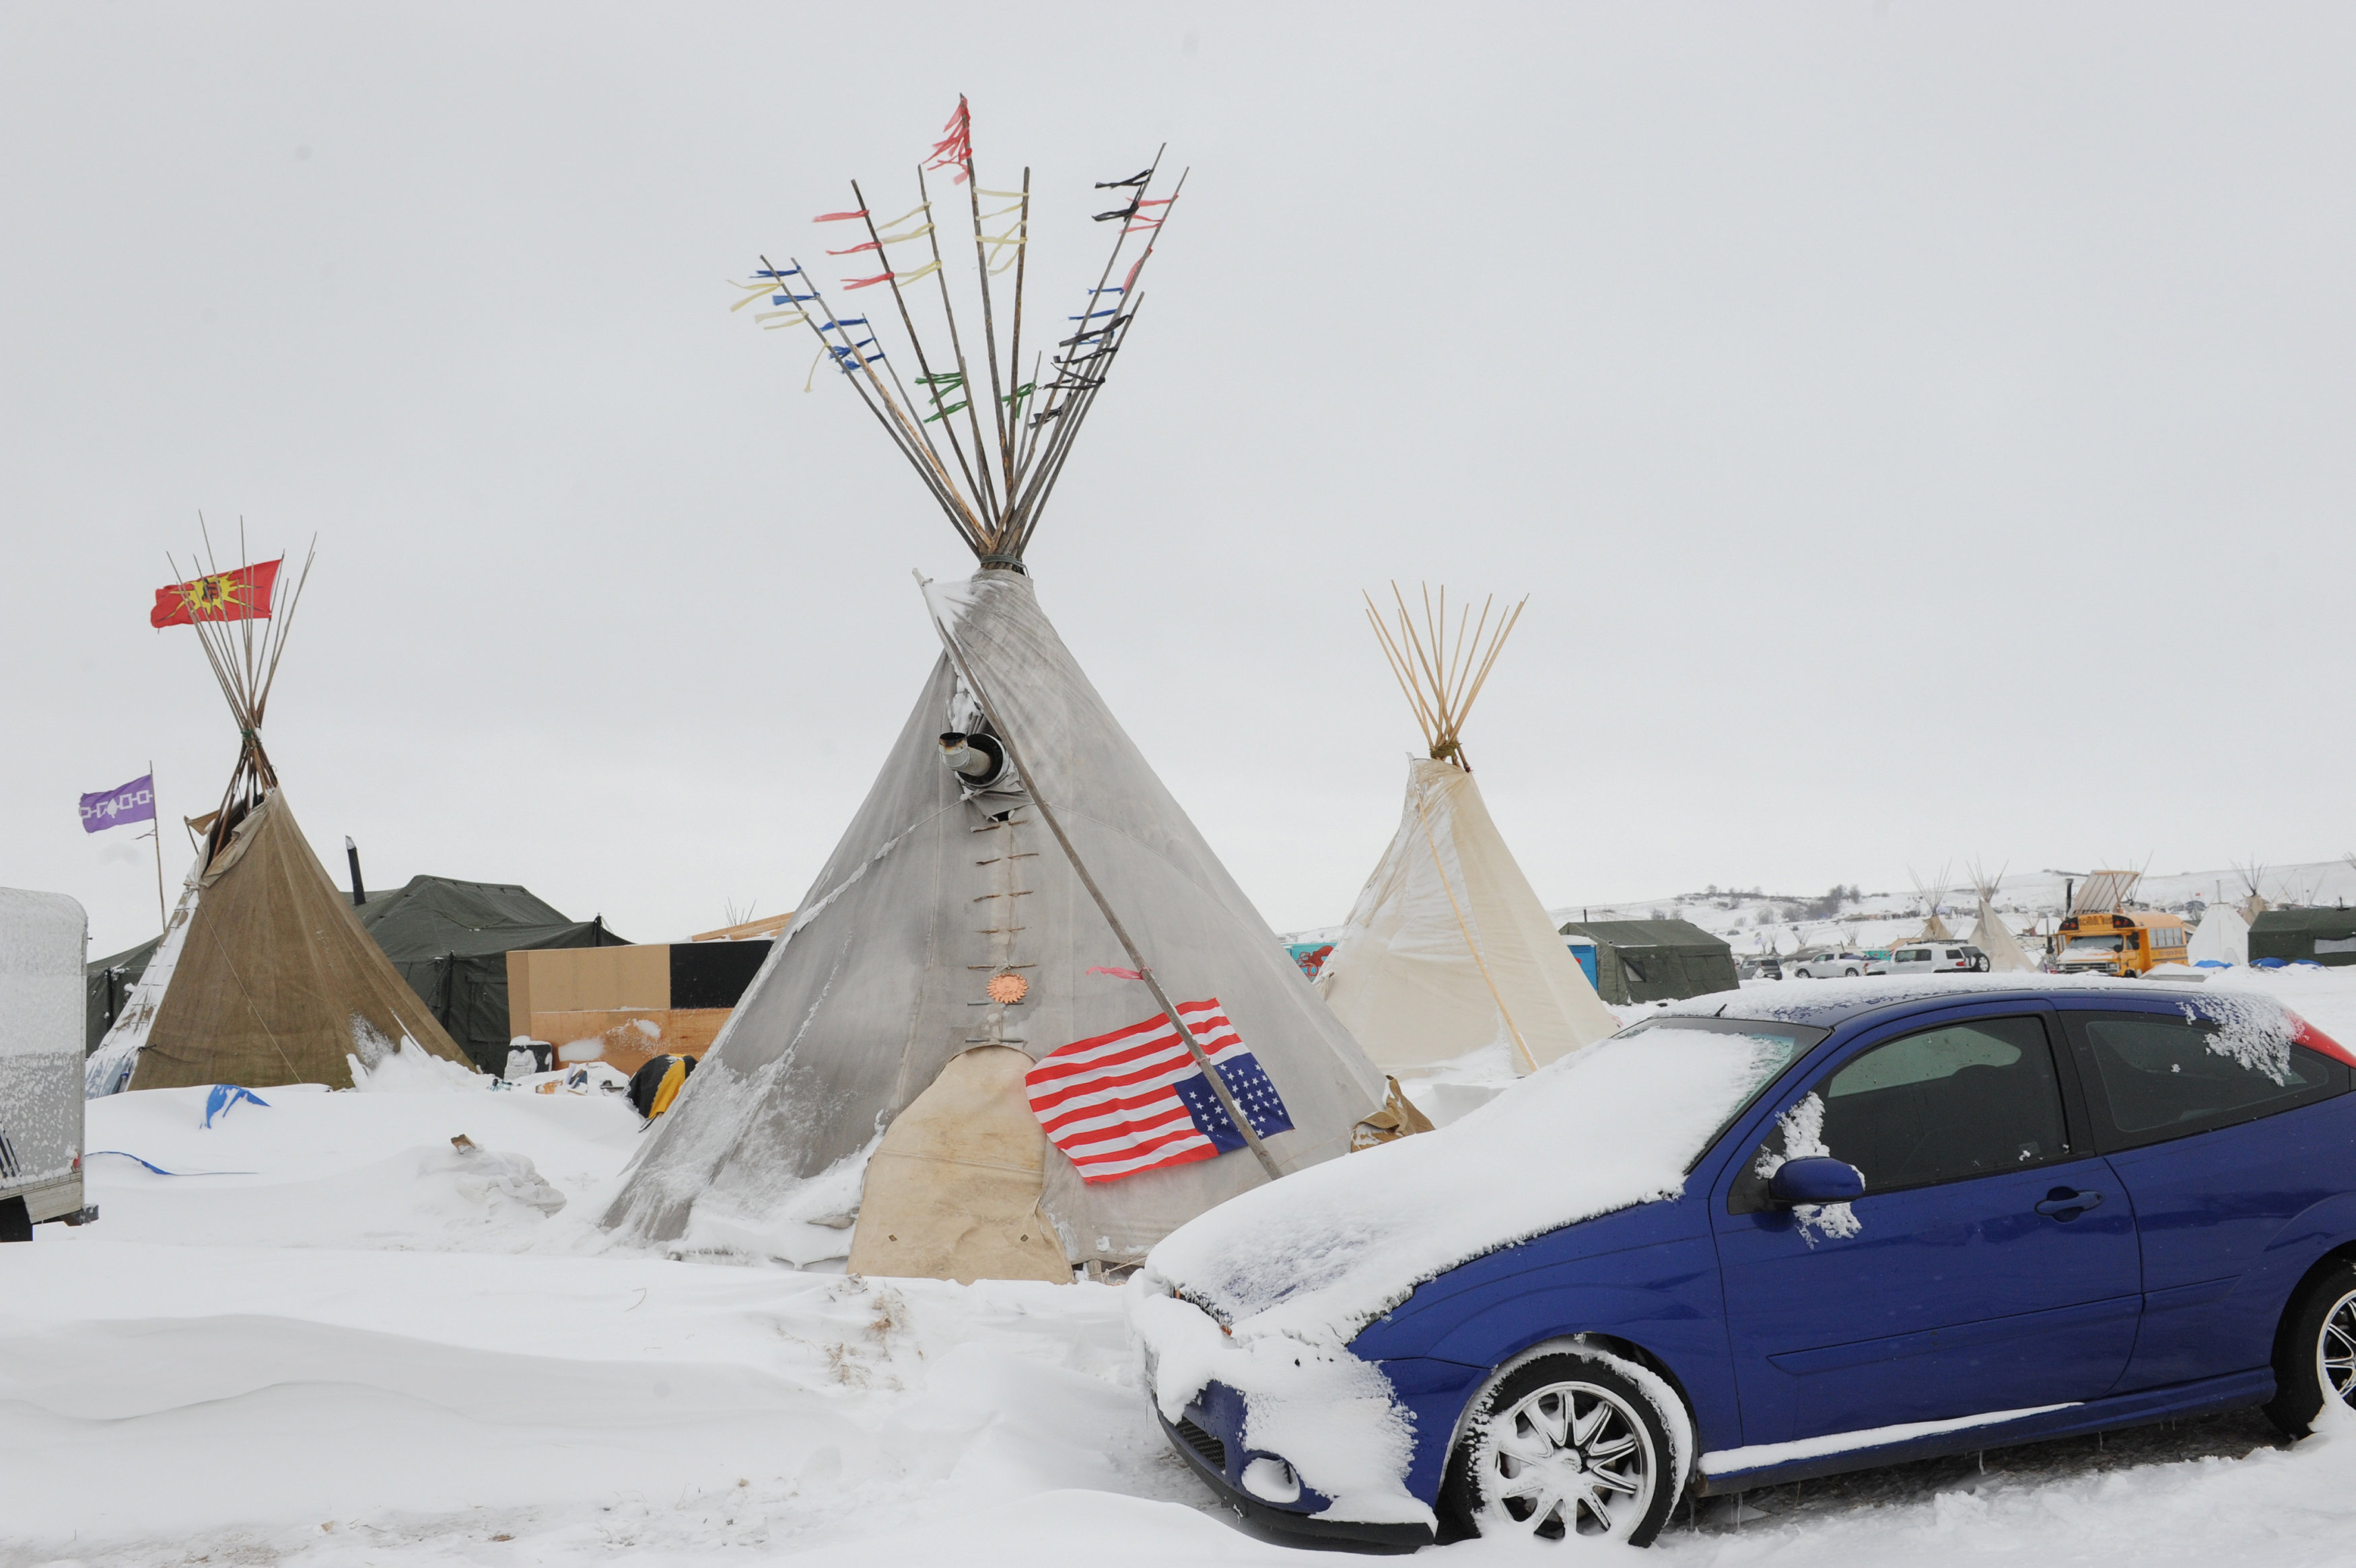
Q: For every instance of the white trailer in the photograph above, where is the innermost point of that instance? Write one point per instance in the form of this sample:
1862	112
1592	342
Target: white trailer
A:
43	939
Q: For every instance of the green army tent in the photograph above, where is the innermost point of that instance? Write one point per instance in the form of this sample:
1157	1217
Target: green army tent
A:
2325	935
1655	960
450	940
106	986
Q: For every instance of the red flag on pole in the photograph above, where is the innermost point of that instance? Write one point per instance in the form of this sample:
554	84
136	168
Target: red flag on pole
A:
240	595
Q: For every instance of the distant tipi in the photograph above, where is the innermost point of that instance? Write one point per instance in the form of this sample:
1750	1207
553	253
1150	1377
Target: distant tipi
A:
264	975
1023	1012
1990	934
1933	928
1447	950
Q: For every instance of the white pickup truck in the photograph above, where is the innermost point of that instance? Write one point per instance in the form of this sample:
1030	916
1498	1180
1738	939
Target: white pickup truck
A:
1836	966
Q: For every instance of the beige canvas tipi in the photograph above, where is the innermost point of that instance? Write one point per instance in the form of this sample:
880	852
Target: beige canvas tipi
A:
264	975
1447	950
1990	934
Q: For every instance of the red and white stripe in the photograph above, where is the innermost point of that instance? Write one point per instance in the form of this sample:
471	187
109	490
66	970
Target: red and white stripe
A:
1107	1102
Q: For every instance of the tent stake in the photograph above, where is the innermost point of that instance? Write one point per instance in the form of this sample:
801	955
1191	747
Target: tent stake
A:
1104	905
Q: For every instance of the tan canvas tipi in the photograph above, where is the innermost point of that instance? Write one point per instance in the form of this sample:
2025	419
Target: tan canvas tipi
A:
1018	883
1447	950
264	975
1989	933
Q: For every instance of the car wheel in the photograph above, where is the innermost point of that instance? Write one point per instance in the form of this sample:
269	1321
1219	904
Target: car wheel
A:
1849	974
2315	1354
1564	1446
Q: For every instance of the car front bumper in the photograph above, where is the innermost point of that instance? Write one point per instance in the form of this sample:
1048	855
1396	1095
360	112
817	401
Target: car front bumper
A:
1191	1445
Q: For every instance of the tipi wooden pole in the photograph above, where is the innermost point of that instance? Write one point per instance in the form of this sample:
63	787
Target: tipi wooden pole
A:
985	494
989	332
1014	348
163	916
1104	905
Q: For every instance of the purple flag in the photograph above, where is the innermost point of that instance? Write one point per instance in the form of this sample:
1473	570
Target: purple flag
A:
135	802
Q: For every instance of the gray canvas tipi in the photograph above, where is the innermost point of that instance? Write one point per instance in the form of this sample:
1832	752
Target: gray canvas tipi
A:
1017	882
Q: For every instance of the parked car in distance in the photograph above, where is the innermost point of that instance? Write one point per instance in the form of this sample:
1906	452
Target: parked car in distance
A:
1937	958
1913	1223
1836	966
1766	968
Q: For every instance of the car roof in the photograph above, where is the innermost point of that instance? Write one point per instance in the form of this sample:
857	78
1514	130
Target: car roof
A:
1827	1004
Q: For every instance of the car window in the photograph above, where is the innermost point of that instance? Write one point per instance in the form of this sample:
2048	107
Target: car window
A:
2157	1077
1942	1104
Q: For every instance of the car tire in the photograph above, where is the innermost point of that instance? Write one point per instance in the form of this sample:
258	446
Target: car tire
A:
1569	1391
2315	1353
1848	974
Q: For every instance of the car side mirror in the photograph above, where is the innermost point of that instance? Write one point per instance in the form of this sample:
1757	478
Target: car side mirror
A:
1816	1179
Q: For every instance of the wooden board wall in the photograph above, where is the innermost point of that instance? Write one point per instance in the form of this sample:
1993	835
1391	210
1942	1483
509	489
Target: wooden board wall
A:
618	1039
585	979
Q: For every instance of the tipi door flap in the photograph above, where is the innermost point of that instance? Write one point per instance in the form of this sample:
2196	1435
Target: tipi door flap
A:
953	1192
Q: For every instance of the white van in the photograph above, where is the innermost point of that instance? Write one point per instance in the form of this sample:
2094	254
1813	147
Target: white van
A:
43	939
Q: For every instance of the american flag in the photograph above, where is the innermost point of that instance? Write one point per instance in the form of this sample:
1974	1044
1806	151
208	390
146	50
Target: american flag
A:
1137	1100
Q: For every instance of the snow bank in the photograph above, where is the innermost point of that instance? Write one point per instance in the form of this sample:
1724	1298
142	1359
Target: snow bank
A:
337	1358
315	1169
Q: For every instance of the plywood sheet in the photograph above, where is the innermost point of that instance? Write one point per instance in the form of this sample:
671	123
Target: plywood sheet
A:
624	1038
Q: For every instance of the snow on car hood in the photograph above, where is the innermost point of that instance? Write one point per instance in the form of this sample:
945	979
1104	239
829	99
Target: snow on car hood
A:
1293	1270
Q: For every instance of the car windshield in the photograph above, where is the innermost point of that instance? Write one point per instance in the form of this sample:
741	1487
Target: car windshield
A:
2094	945
1778	1045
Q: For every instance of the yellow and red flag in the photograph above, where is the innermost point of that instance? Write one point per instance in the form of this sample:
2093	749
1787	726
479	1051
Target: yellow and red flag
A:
240	595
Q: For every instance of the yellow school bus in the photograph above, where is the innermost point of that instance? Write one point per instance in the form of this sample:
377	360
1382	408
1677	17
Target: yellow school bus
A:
2118	943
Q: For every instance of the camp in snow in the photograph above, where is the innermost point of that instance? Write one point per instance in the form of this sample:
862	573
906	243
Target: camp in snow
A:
1526	784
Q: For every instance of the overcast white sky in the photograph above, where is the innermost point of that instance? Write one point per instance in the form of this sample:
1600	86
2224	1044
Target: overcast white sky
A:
1922	431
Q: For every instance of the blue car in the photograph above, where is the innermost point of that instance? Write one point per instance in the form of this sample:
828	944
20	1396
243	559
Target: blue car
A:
1760	1238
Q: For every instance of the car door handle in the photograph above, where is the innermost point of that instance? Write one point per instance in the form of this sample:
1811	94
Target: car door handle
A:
2067	1205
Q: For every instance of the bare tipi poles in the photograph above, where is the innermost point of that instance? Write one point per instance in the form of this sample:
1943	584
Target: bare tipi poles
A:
1447	950
1934	929
1024	1022
264	977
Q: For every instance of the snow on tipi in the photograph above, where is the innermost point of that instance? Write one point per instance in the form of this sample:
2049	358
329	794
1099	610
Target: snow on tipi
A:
1990	934
1024	1021
264	975
1447	950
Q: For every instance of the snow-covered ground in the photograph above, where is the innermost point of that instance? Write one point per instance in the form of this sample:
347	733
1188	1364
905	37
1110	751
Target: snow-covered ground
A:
359	1345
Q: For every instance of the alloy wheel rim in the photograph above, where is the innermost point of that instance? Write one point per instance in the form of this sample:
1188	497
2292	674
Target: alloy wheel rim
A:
2335	1351
1567	1459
